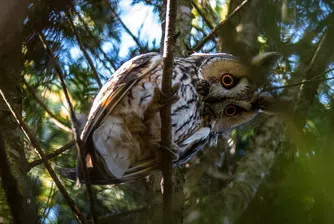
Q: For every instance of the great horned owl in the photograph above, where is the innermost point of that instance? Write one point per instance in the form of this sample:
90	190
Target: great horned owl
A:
216	92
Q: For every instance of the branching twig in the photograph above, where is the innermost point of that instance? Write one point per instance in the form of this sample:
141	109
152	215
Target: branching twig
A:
217	28
63	125
82	48
75	126
81	218
52	155
165	113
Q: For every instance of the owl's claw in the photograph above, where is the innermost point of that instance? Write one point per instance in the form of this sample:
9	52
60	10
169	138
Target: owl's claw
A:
173	99
155	105
174	151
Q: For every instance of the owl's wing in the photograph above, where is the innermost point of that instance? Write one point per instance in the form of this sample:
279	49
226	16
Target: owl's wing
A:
116	88
112	93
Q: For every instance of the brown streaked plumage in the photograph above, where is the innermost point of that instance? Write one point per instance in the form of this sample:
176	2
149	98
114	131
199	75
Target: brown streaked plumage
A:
216	92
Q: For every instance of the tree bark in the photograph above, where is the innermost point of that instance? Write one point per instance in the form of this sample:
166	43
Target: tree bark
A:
239	37
183	27
11	39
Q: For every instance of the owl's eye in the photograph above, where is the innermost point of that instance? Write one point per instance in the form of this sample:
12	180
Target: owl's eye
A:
227	80
230	110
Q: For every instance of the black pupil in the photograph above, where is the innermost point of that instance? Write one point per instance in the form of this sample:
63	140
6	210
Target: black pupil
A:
227	80
230	110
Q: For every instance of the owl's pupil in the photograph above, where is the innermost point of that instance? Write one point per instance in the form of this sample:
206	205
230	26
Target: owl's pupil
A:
230	110
227	80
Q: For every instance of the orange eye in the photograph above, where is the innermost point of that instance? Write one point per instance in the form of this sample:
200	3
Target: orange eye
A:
230	110
227	80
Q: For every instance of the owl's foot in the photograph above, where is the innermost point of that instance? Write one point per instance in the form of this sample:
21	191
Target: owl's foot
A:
155	105
173	99
174	151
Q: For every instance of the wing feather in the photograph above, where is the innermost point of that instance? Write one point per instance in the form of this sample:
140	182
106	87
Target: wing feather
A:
113	92
117	87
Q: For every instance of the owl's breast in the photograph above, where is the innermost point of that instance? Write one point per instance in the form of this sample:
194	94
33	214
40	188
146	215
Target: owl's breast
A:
185	112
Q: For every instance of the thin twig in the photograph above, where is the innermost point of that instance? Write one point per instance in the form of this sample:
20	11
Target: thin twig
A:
297	84
82	48
97	42
165	113
217	28
52	155
123	25
81	218
46	210
202	14
316	53
75	126
62	125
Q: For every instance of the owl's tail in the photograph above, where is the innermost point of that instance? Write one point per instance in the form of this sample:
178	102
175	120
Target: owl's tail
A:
100	177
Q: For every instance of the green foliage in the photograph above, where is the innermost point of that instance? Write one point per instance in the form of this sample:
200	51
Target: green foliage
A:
299	187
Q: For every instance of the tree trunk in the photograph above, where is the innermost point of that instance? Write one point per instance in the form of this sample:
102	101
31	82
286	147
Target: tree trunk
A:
239	37
183	27
10	69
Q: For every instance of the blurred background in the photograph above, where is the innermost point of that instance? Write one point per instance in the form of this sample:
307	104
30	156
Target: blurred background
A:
276	169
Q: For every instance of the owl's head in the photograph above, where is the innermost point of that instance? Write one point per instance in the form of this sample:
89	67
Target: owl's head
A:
228	88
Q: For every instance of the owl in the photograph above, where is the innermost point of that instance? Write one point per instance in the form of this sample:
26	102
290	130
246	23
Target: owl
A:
213	93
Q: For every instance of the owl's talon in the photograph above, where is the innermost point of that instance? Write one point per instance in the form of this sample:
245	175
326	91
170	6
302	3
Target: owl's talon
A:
174	151
156	104
174	98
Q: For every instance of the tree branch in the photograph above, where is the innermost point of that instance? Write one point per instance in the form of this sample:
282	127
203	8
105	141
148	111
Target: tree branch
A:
81	218
217	28
314	79
82	48
165	113
75	126
62	124
52	155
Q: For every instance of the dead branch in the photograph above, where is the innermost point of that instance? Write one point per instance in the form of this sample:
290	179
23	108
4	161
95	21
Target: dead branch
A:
81	218
165	113
82	48
52	155
215	30
75	127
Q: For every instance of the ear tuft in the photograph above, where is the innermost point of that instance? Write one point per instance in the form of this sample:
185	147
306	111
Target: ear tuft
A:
266	60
